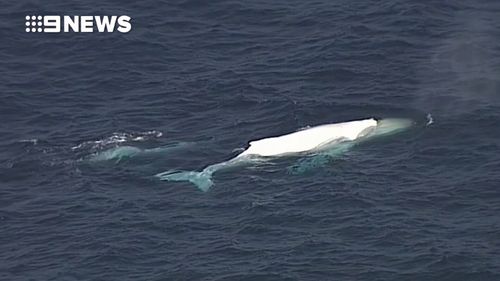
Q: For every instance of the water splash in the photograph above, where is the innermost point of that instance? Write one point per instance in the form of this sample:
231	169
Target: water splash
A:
430	120
461	73
118	138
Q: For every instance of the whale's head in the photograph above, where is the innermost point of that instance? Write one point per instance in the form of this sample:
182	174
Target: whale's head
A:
385	127
391	126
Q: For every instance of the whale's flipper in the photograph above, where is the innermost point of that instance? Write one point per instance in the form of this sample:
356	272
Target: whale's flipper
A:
308	164
202	180
313	162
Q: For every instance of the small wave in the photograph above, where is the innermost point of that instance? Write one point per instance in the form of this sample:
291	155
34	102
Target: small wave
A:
303	128
32	141
117	138
238	150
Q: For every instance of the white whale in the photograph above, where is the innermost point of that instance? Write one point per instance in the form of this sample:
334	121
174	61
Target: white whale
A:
310	140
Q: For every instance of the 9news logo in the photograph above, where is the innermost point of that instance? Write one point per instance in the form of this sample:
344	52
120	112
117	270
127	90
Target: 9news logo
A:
56	24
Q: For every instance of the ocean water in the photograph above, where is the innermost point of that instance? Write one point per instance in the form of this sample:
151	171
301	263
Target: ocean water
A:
201	79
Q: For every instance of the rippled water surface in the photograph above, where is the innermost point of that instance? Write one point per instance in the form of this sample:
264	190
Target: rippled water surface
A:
192	83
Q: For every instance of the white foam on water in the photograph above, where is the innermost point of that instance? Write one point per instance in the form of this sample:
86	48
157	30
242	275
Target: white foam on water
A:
117	138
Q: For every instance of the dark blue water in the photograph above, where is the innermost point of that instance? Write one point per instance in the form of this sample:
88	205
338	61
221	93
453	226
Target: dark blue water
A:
421	205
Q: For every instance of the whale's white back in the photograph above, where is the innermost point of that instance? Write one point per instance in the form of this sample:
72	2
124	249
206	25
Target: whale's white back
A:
309	139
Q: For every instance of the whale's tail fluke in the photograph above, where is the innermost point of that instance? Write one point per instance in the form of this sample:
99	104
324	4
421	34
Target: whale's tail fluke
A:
202	180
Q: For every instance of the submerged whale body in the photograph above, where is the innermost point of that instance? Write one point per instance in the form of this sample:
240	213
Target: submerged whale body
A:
119	153
322	138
